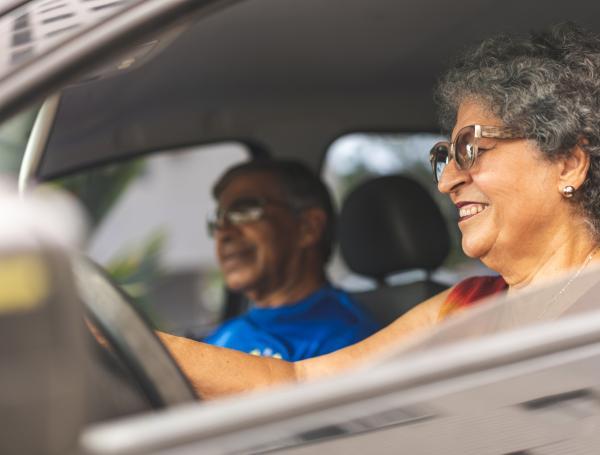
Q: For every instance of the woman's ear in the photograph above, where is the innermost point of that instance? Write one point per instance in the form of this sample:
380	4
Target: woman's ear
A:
574	167
312	226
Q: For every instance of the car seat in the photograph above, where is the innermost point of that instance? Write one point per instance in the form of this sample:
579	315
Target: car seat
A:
390	225
43	402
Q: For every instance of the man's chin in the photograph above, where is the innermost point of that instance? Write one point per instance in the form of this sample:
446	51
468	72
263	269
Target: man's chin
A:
238	282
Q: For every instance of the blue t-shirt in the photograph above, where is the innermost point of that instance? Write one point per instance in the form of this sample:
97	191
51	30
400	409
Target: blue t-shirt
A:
323	322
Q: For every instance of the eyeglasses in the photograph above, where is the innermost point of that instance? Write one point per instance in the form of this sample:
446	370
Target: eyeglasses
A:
241	211
466	147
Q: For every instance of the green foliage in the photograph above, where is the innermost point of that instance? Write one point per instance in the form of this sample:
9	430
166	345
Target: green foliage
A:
137	268
99	189
14	134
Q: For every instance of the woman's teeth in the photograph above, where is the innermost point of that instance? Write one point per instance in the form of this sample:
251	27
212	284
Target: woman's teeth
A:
471	210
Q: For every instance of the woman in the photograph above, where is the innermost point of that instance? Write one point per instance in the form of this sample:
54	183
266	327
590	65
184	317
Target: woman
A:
523	169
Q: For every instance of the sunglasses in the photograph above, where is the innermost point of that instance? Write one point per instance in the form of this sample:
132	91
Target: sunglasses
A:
466	147
241	211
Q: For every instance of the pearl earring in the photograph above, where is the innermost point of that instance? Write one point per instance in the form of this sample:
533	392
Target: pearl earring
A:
568	191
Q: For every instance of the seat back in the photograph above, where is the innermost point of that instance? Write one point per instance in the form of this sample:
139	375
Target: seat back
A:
42	343
390	225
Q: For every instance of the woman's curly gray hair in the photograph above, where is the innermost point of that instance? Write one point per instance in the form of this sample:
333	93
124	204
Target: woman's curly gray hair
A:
547	85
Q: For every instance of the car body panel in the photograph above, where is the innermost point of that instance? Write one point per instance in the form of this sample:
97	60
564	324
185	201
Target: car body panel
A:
538	384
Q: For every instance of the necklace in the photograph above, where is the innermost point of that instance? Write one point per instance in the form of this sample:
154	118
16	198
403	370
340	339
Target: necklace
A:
553	300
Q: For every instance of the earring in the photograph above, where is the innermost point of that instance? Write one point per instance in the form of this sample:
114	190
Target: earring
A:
568	191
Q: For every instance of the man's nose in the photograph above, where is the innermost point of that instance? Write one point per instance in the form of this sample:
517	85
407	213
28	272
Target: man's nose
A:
453	178
224	230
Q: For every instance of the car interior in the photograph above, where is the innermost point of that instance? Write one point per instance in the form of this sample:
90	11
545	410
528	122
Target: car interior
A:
217	82
389	225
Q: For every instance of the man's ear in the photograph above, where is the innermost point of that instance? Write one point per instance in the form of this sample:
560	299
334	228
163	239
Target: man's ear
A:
312	226
574	167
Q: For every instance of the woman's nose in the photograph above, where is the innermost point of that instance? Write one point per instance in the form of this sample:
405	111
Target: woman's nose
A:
452	178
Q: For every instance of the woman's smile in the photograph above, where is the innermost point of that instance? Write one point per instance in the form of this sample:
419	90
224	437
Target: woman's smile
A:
468	209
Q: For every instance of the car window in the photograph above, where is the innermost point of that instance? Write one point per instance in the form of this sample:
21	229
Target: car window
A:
355	158
148	230
14	134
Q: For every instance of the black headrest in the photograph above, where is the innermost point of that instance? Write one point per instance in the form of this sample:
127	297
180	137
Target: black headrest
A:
391	224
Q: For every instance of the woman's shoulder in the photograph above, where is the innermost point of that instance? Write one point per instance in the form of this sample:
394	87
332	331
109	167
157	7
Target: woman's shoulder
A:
482	283
469	291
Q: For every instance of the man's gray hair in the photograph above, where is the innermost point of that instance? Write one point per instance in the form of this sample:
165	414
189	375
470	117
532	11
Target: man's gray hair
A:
302	187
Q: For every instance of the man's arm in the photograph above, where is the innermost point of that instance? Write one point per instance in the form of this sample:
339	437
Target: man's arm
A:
215	371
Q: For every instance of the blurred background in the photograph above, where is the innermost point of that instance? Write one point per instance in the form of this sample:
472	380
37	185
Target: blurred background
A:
148	216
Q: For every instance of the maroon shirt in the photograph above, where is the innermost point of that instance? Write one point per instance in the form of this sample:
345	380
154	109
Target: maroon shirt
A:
470	291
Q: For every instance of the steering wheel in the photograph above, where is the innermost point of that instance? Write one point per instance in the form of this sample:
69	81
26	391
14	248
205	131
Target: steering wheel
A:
129	334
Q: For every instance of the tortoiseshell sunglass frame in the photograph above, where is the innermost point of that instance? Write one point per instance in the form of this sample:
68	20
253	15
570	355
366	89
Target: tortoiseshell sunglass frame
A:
466	158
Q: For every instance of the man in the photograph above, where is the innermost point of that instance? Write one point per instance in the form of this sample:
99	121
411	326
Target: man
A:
274	232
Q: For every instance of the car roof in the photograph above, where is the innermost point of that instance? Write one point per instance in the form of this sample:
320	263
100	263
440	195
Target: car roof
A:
286	76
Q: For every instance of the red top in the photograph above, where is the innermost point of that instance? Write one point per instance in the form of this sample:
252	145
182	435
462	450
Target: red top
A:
469	292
